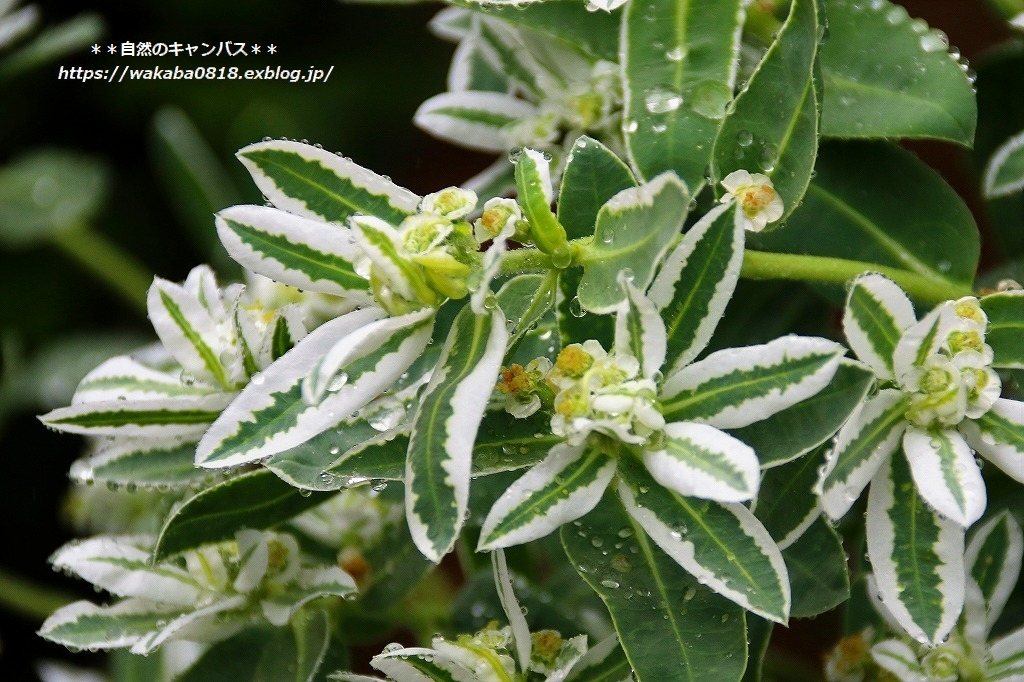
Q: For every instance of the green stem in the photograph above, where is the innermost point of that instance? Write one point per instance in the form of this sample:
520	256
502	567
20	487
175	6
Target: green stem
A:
29	599
763	265
112	265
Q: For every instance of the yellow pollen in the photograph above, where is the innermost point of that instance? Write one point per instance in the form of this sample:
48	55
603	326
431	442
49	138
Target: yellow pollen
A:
573	361
514	380
755	199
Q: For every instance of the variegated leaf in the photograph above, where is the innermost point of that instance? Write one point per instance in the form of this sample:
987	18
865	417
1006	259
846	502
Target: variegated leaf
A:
899	659
535	194
270	416
505	443
121	566
381	243
214	621
1007	652
475	64
314	183
696	282
917	556
639	330
192	334
877	313
473	119
603	662
870	436
723	545
418	664
159	418
634	230
84	625
700	461
445	426
786	502
739	386
310	583
143	462
1005	330
998	436
1004	174
945	474
520	630
993	560
305	253
923	339
562	488
124	377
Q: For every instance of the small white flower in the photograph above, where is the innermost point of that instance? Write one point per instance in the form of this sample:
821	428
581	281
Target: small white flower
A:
451	203
759	203
499	214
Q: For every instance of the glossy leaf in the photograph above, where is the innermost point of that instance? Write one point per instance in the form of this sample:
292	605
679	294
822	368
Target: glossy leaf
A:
1004	174
593	174
257	500
698	460
669	625
889	76
786	502
998	436
162	418
993	560
634	230
876	315
477	120
876	203
757	136
679	63
817	571
946	476
142	462
314	183
1005	330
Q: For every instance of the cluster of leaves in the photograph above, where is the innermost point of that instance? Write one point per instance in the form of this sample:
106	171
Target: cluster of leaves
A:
590	380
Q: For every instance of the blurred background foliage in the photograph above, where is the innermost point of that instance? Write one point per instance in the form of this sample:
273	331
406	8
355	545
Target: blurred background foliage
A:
104	185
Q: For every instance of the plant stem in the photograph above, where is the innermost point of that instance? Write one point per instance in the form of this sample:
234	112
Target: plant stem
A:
763	265
29	599
112	265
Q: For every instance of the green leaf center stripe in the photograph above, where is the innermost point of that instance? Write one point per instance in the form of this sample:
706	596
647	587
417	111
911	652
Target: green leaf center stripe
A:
489	118
139	417
881	329
926	348
282	340
899	100
316	264
708	461
209	358
916	534
323	191
871	436
1002	429
874	232
740	385
580	473
134	385
382	242
947	458
987	571
700	305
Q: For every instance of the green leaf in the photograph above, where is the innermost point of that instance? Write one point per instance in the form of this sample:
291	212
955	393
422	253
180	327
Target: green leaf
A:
294	653
817	571
562	488
232	660
739	386
993	559
701	461
257	500
168	417
396	567
786	502
505	443
307	254
634	230
476	120
877	203
1004	174
876	315
696	282
142	462
525	300
1005	312
314	183
47	192
998	436
594	34
445	426
888	76
639	330
84	625
535	194
797	430
917	557
723	545
73	35
679	62
758	136
603	662
759	632
670	626
593	174
575	325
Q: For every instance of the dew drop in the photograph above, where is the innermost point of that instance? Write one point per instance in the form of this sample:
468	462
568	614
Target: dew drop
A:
744	138
610	584
576	308
630	126
934	41
625	532
768	157
896	16
662	100
257	379
596	542
676	54
689	593
337	382
710	99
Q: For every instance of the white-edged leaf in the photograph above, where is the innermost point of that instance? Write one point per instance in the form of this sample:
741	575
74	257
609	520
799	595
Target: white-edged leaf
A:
473	119
739	386
441	446
209	623
923	339
314	183
993	560
159	418
998	436
639	329
872	433
604	662
516	619
562	488
382	244
489	269
142	462
1004	173
1005	312
1007	657
270	416
418	664
192	334
696	282
877	313
310	583
945	474
917	556
700	461
722	545
120	566
899	659
85	625
124	377
308	254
